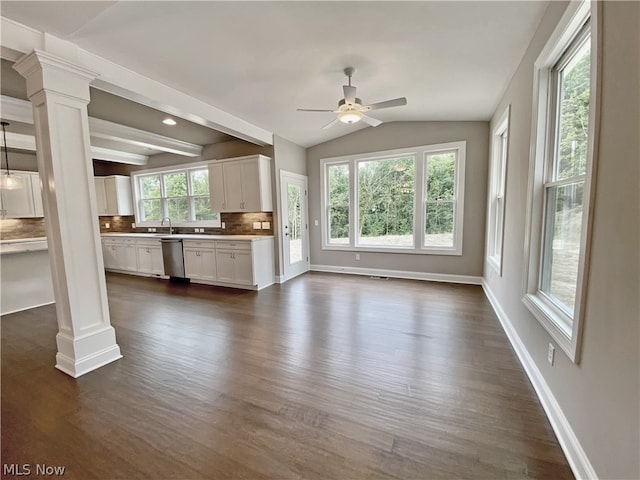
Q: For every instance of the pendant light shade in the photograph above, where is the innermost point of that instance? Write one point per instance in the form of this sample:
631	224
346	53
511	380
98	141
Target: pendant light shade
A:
7	180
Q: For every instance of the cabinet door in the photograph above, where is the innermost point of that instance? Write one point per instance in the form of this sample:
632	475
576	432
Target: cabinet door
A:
113	256
216	187
243	269
18	203
224	266
130	258
233	186
251	185
157	265
101	199
207	265
111	196
191	263
36	191
144	259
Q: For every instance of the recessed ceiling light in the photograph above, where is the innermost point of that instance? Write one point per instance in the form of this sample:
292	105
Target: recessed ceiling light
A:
169	121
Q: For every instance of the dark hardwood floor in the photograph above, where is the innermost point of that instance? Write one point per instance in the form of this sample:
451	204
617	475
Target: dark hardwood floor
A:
324	377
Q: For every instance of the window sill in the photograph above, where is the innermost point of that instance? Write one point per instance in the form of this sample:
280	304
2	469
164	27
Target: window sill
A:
554	322
401	250
198	223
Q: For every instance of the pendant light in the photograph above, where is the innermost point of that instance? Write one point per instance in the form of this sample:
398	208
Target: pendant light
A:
7	180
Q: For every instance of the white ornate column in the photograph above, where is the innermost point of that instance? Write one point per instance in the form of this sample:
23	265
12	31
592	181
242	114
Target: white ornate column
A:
59	92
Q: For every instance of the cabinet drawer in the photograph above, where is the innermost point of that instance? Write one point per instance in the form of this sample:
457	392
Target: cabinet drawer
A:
233	245
111	241
148	242
199	244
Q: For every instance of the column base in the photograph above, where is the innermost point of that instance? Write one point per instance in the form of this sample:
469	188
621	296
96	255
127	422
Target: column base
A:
82	355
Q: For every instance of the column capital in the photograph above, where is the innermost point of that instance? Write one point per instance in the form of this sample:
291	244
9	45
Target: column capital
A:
44	71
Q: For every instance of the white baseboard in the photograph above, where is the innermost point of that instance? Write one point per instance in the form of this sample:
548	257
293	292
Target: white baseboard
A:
27	308
432	277
576	456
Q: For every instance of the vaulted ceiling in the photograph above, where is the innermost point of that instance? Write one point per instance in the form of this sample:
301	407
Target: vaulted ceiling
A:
260	61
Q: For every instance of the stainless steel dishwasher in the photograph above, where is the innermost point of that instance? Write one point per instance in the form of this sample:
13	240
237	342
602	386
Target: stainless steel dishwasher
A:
172	257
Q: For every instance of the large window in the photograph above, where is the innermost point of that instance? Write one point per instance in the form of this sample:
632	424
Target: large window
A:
179	193
559	190
497	192
403	200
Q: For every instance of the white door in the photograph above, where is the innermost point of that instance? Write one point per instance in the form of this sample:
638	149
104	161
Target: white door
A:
294	224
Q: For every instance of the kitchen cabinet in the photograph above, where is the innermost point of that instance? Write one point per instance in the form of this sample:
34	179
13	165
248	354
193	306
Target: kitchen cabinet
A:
233	262
23	202
113	195
120	254
113	253
149	254
241	184
199	260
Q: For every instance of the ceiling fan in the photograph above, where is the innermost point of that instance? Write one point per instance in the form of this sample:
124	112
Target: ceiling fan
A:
350	108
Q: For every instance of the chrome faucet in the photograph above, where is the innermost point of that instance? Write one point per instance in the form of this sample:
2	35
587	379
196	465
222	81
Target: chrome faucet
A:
170	227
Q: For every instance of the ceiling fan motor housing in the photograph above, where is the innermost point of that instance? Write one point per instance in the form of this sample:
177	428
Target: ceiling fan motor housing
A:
344	102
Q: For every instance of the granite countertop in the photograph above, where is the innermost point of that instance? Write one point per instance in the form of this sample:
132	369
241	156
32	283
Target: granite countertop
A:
189	236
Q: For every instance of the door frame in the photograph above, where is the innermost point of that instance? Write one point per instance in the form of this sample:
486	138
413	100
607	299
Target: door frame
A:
284	217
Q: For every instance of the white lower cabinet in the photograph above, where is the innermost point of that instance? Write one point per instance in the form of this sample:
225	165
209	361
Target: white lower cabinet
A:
131	255
245	263
199	260
234	262
150	258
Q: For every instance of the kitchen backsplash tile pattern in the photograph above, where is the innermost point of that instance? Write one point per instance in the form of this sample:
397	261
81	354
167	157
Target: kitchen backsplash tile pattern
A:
235	224
16	228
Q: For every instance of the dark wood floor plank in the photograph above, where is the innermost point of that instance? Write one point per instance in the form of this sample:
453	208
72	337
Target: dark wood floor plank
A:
326	376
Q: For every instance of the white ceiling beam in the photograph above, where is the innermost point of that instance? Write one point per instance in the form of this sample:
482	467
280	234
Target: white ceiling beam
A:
117	156
132	136
22	141
17	110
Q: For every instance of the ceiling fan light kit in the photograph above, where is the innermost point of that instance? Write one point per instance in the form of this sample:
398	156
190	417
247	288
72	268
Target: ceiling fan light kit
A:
350	109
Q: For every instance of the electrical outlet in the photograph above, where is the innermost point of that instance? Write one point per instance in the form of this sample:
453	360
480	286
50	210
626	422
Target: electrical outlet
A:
266	225
257	225
107	225
223	225
357	256
551	354
133	225
315	222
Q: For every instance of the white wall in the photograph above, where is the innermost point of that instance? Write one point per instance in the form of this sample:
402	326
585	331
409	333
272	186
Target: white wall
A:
396	135
600	396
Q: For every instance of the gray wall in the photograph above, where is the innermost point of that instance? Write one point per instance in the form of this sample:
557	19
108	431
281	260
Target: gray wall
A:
20	160
292	158
396	135
599	396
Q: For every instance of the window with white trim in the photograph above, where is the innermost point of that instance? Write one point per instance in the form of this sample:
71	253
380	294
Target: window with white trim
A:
180	193
497	192
561	181
408	200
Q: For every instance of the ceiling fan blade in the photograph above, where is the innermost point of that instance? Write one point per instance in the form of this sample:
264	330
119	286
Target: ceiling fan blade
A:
312	110
330	124
374	122
396	102
349	93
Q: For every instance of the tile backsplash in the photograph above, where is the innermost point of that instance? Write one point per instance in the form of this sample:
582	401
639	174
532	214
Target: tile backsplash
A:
16	228
235	224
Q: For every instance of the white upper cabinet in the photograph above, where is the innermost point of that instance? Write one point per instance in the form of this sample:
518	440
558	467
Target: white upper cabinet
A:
241	184
23	202
113	195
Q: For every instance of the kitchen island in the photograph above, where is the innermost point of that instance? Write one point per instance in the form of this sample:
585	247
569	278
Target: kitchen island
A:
25	275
